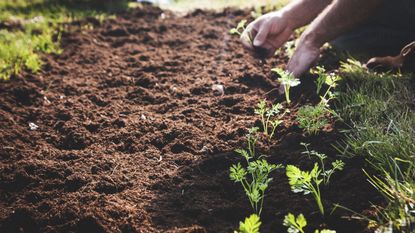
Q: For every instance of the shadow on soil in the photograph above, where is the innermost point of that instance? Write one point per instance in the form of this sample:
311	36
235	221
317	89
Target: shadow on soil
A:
201	198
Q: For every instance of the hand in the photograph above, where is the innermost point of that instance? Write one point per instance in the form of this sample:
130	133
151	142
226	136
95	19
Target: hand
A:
305	56
267	33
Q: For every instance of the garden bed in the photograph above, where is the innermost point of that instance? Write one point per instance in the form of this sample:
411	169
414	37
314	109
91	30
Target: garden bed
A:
132	137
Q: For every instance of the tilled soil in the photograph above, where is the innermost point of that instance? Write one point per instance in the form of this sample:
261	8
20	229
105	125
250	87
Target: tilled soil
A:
132	137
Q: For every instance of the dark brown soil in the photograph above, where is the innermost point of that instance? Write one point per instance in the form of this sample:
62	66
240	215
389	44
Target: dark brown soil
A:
132	138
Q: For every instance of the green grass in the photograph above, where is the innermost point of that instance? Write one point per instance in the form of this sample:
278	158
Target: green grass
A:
32	27
379	109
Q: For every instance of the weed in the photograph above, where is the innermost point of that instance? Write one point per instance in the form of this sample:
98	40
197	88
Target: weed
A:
250	225
271	117
287	80
312	118
255	177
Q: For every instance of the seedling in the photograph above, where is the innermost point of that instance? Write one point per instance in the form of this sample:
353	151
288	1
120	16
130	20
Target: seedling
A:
330	79
306	182
287	80
297	224
312	118
290	48
271	117
255	177
337	165
250	225
239	29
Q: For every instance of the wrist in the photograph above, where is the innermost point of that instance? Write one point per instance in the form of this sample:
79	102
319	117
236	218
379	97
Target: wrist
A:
292	21
312	39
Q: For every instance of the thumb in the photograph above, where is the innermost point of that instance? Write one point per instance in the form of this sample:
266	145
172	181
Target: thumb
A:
261	36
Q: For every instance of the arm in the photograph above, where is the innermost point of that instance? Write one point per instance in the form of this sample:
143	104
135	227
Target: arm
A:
272	30
336	19
302	12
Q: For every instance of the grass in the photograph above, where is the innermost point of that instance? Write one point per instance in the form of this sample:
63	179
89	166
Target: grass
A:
32	27
379	109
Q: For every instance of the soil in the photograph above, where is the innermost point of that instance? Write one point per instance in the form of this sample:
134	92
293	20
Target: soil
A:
131	136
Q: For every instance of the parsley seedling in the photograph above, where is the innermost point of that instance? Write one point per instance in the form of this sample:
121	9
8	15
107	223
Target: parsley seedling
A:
255	177
297	224
331	80
306	182
250	225
287	80
271	117
239	29
337	165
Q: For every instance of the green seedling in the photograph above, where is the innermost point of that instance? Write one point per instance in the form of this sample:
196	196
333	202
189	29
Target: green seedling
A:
239	29
337	165
250	225
287	80
271	117
324	231
290	48
312	118
255	177
306	182
297	224
331	80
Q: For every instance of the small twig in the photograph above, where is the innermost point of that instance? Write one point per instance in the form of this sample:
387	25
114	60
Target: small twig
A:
273	89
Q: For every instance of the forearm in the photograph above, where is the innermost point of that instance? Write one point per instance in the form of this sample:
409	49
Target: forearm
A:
338	18
301	12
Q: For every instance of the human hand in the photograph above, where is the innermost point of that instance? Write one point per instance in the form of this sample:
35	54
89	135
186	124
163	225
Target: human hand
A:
267	33
305	56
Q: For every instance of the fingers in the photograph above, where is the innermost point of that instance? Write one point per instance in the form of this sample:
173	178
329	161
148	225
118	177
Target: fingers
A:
282	38
304	57
261	36
249	34
266	50
265	35
385	62
246	38
252	34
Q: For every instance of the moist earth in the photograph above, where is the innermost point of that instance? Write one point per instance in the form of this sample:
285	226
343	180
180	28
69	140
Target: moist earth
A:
132	137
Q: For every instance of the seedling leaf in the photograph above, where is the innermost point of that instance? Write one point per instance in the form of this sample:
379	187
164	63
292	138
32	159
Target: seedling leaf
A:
250	225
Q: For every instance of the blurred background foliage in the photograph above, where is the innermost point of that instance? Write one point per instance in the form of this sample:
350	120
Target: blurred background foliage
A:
29	28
